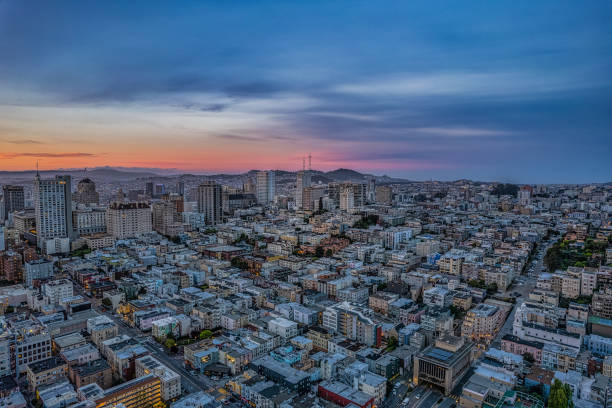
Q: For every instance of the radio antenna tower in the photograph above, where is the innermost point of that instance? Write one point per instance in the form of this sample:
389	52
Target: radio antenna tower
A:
303	163
309	162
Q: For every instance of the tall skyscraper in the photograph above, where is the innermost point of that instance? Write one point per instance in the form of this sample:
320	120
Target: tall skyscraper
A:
13	199
86	192
164	216
53	208
347	197
210	202
266	186
159	190
249	186
180	188
303	181
384	195
149	189
371	190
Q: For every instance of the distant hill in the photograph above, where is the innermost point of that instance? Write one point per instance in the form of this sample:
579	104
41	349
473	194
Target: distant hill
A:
345	175
106	173
123	174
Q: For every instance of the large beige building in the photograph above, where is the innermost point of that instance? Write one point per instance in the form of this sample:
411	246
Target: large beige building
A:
481	323
45	371
128	220
384	195
101	328
166	218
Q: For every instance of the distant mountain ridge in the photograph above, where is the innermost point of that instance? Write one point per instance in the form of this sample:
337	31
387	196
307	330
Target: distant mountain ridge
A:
131	173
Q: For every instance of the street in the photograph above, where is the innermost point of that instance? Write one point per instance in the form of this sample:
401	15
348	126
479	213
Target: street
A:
524	285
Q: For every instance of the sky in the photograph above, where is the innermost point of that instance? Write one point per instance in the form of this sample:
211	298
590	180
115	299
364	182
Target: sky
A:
512	91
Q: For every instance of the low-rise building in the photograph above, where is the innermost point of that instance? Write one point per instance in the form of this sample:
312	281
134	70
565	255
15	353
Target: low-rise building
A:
170	381
46	371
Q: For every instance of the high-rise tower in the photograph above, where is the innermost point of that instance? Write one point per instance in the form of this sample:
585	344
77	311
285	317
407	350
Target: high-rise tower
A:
53	208
13	199
210	202
266	186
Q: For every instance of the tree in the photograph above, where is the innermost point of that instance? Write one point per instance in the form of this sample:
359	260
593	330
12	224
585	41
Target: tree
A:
107	302
319	252
560	395
528	357
477	283
205	334
365	222
329	253
505	189
169	343
456	312
492	288
239	263
391	343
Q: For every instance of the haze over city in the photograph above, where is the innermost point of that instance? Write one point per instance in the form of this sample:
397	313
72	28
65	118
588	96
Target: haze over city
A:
495	91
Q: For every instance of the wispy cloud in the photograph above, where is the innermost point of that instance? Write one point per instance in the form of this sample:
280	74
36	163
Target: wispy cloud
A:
46	155
465	83
464	131
347	115
21	141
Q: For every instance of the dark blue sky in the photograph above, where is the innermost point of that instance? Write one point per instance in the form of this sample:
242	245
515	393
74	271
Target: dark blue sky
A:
504	90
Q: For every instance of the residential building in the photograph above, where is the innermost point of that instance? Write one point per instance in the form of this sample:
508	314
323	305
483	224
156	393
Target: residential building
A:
12	199
170	381
266	186
86	193
53	208
128	220
210	202
47	371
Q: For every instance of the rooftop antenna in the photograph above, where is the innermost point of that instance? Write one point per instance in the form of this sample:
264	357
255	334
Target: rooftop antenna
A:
37	173
309	162
303	163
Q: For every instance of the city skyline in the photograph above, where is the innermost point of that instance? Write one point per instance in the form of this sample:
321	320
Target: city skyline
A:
492	92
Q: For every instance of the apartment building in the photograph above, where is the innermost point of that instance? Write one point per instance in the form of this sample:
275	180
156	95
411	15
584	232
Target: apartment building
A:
481	323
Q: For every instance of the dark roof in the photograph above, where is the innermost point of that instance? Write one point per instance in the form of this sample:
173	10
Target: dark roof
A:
46	364
91	367
7	383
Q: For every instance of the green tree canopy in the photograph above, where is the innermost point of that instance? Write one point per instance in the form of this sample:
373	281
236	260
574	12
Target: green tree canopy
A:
560	395
205	334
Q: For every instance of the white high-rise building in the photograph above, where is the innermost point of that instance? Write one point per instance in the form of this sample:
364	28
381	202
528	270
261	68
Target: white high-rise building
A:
266	186
57	289
303	181
347	198
53	208
524	195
